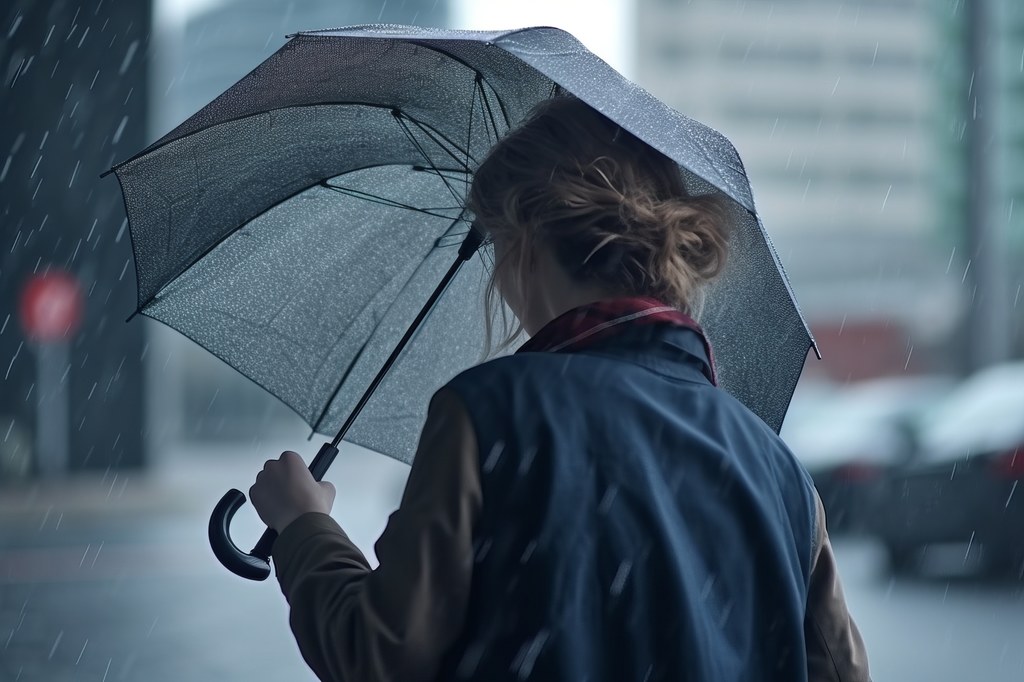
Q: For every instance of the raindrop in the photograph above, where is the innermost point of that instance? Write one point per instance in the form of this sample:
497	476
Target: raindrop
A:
606	500
886	199
969	544
93	84
80	653
107	671
966	270
493	457
1012	490
120	129
950	263
1015	300
620	578
17	73
84	34
527	656
74	173
14	26
53	649
49	33
8	319
13	358
836	86
124	269
129	55
120	231
82	562
907	363
7	167
36	167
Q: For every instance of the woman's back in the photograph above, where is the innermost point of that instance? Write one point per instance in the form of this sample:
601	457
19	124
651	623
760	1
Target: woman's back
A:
638	523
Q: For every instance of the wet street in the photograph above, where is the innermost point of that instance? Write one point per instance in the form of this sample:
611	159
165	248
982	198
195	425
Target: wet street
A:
116	582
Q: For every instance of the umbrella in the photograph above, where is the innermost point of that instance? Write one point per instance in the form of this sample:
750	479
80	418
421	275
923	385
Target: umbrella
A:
297	223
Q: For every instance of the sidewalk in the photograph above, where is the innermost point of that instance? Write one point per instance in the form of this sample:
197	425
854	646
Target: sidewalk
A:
188	480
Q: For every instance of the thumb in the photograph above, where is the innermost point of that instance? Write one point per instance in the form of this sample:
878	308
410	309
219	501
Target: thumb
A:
330	491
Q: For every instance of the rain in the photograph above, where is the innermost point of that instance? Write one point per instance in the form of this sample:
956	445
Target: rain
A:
884	157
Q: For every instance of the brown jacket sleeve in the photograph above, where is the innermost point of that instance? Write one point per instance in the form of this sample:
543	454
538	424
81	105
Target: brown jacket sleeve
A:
395	622
835	650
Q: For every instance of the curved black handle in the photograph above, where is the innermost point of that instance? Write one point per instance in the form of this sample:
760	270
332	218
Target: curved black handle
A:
256	564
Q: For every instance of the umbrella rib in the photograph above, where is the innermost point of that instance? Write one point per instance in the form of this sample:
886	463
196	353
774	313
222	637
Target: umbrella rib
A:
384	201
434	48
432	134
469	132
351	367
462	177
487	105
419	147
140	305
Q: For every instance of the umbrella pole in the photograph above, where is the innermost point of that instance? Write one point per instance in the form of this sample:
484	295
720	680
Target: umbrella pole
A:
255	565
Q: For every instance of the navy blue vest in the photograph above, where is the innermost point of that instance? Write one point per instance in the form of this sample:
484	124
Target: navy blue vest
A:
638	523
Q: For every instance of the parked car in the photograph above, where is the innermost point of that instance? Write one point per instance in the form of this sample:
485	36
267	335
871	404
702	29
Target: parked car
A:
967	485
847	437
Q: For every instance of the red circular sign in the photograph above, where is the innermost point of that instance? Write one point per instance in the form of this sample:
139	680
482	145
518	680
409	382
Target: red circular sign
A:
51	306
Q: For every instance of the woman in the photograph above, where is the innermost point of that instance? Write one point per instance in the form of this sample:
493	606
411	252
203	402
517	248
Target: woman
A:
590	507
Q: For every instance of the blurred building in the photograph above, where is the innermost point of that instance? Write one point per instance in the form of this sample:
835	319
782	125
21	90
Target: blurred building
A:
1008	59
844	116
199	396
70	107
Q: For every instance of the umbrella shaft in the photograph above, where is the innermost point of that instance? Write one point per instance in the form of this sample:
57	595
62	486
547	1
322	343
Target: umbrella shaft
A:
318	467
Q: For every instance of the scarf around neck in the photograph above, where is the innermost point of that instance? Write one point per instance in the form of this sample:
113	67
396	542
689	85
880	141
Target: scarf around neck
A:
581	326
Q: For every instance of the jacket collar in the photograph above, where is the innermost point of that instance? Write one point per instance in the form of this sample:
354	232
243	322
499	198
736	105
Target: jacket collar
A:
626	323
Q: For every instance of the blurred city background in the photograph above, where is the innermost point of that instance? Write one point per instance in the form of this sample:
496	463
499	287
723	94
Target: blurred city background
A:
884	140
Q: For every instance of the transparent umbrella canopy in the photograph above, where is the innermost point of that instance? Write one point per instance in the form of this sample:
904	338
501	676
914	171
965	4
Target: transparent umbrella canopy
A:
297	224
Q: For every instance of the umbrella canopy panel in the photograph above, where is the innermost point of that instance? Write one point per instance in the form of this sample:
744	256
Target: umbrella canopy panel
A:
296	224
294	301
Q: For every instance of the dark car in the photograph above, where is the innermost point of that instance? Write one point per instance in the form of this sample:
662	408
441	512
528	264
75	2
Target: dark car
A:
846	437
965	485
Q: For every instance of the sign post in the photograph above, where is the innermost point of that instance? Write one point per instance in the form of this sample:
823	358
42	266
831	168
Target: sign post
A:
51	312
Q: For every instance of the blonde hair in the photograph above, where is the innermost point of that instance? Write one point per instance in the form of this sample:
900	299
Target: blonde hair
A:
613	209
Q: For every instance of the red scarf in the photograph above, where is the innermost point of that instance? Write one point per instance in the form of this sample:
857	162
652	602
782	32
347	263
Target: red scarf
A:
583	325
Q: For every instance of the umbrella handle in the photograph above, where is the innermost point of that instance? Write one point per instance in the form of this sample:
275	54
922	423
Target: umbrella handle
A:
254	565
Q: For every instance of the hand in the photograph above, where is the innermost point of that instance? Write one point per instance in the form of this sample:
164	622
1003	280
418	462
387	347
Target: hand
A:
285	490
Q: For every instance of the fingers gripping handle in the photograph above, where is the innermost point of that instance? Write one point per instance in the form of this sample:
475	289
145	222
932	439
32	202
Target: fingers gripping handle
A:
256	564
